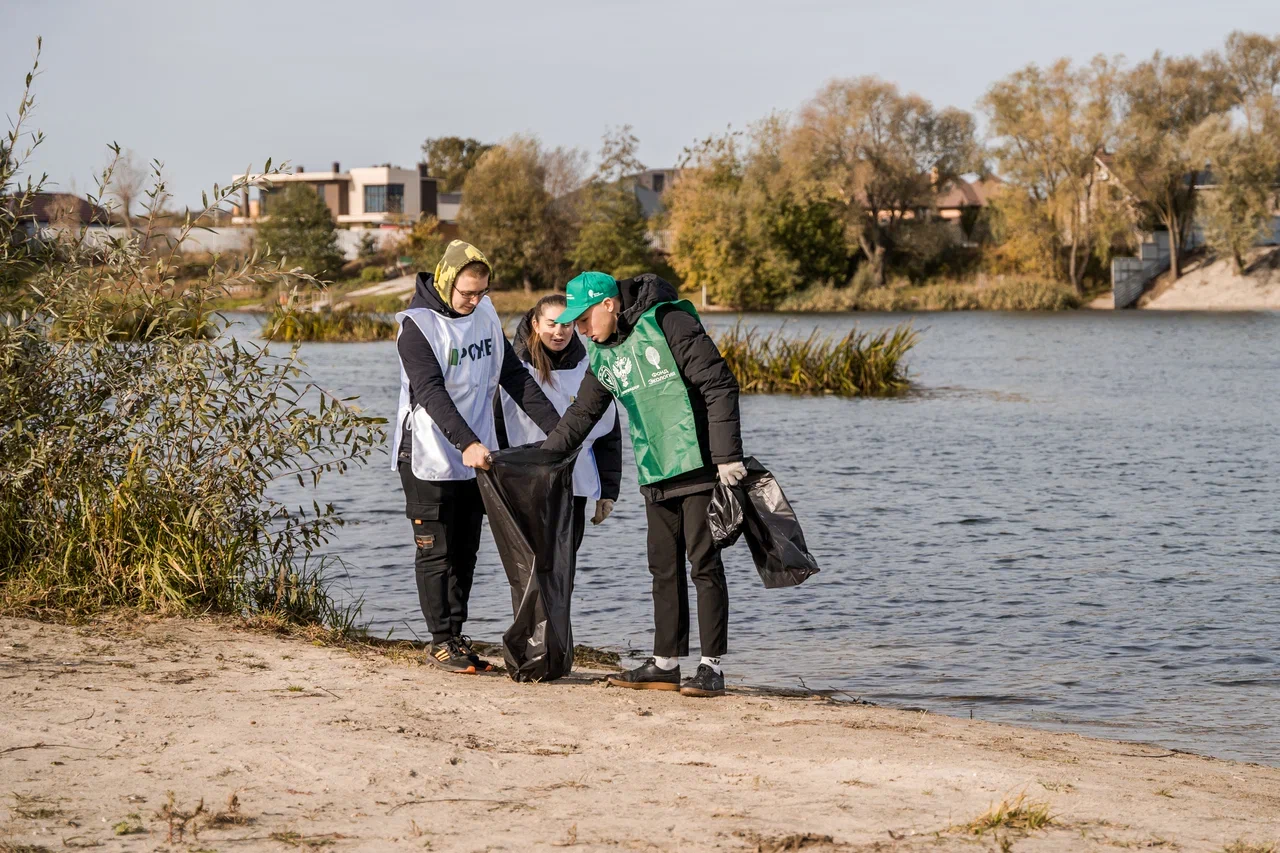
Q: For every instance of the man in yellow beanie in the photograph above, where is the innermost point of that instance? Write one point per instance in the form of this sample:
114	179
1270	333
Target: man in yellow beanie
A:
453	357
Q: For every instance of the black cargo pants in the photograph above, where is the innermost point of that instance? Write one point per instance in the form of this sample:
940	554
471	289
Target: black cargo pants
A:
678	527
446	516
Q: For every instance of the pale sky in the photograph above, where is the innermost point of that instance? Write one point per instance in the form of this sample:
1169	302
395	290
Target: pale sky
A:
211	87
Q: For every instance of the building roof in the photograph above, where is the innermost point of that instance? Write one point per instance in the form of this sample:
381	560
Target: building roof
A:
46	208
960	193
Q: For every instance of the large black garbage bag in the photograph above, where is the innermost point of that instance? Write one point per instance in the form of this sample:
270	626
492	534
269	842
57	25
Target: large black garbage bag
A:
765	515
528	495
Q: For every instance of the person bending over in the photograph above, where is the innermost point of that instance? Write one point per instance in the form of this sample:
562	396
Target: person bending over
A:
649	351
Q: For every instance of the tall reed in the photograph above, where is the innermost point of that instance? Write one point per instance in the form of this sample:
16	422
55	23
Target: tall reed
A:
325	325
859	364
1016	294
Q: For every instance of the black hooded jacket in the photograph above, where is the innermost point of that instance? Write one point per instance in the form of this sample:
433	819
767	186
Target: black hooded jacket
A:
607	448
426	379
713	390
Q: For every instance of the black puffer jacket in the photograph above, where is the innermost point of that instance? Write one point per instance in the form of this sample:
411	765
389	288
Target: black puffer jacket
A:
426	379
607	448
713	391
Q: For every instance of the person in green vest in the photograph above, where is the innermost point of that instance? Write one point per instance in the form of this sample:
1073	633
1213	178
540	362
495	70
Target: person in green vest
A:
649	351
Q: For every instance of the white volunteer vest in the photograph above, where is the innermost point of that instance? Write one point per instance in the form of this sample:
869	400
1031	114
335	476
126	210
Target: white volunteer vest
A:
561	390
469	350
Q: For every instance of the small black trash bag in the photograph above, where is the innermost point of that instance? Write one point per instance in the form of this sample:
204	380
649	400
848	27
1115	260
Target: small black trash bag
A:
766	517
528	496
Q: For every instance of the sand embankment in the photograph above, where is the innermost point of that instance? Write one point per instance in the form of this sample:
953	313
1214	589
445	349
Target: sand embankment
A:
1214	285
361	749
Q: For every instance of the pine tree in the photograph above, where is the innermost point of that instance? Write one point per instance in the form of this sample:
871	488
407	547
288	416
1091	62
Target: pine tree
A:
299	228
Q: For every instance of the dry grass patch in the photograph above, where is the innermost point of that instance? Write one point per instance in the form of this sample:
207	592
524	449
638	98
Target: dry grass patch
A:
1018	814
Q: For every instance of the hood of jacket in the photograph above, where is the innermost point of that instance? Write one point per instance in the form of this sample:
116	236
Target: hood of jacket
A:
425	295
566	359
456	256
638	295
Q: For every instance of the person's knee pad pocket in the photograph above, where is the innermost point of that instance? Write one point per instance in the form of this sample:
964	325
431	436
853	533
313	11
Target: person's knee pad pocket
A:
428	534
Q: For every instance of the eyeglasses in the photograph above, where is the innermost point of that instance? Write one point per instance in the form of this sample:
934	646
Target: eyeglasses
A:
474	295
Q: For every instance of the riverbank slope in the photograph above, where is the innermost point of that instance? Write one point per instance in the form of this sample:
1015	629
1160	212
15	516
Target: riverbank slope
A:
290	743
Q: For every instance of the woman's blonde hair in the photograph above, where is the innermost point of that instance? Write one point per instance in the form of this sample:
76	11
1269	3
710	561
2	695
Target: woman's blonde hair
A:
537	352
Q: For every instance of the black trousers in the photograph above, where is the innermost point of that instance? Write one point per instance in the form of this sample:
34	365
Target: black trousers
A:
678	528
446	517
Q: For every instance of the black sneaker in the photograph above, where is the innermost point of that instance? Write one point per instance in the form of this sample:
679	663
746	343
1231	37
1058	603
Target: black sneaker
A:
450	657
648	676
705	682
480	664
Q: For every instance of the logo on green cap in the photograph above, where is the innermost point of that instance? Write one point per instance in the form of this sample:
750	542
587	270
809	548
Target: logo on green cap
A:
583	291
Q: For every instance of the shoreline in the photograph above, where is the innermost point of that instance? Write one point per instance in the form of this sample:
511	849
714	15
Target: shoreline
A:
362	747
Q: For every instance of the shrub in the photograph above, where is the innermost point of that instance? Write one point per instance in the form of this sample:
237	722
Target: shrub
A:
135	468
372	274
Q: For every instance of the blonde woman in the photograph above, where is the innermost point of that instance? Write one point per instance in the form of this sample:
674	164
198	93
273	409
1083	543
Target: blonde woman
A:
556	358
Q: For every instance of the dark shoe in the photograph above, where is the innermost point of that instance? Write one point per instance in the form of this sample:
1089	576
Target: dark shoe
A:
647	676
705	682
450	657
480	664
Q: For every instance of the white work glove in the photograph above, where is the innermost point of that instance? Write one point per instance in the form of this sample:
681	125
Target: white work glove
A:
731	473
604	507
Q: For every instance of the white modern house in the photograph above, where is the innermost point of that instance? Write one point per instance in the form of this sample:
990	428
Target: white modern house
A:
370	196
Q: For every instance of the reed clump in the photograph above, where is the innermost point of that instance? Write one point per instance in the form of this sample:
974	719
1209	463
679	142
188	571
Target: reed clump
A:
859	364
292	326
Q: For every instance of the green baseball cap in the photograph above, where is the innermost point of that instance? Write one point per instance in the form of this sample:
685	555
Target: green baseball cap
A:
583	291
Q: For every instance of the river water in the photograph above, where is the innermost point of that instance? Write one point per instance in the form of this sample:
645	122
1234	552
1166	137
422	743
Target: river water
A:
1071	524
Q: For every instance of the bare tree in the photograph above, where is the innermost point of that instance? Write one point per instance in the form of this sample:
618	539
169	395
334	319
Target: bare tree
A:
128	182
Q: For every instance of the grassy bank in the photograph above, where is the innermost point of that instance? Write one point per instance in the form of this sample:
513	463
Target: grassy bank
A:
859	364
990	295
138	446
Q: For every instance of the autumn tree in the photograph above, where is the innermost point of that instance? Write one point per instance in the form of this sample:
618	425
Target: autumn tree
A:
299	228
613	233
1164	100
878	154
1241	149
423	243
1049	127
1251	62
511	214
1244	163
451	158
719	238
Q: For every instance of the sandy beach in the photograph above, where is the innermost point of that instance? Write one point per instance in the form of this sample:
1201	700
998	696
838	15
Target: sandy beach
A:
276	742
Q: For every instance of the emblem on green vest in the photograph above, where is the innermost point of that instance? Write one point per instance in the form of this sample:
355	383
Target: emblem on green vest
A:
638	372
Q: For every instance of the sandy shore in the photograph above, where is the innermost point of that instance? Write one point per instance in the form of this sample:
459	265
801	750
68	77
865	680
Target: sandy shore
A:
295	744
1214	285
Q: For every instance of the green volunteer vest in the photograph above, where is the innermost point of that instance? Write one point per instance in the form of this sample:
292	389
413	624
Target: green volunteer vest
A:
641	374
